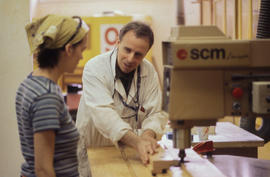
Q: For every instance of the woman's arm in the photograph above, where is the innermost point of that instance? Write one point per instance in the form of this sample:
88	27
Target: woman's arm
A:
44	152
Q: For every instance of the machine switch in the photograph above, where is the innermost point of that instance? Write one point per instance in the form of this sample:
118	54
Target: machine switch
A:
237	92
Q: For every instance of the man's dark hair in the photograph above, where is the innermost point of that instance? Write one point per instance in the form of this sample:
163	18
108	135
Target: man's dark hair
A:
48	58
140	29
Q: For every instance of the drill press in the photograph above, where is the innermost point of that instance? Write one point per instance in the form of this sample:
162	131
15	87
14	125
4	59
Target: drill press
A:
208	76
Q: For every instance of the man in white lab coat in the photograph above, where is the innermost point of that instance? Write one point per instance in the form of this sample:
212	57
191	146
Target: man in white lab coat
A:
121	99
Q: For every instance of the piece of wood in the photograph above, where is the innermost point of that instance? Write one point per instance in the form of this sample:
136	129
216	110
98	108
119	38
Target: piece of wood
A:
110	162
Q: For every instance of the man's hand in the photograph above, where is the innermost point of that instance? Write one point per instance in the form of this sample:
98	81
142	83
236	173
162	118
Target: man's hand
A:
144	148
149	135
144	145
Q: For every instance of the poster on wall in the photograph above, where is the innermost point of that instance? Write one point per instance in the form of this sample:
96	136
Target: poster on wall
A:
108	36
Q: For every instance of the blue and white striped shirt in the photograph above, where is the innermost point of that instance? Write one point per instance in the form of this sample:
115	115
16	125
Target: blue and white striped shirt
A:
40	106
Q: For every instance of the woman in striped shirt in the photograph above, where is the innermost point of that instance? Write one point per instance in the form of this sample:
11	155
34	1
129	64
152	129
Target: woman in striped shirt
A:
48	135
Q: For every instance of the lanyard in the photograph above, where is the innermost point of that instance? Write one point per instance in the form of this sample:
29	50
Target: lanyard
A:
134	108
136	101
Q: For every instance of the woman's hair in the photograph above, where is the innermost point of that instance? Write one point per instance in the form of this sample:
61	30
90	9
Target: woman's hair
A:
140	29
49	49
48	58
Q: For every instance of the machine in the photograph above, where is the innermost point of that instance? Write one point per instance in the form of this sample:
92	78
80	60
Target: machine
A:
208	76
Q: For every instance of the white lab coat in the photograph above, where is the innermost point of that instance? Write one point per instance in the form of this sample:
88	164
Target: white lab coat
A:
100	112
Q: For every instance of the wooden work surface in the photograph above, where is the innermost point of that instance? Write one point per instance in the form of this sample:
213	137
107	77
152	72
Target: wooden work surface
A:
229	139
110	162
229	135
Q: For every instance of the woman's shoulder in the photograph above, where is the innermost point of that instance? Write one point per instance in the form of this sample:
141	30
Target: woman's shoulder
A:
40	85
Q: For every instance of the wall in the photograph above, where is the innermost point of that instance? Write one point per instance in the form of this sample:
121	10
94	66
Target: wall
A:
163	13
15	64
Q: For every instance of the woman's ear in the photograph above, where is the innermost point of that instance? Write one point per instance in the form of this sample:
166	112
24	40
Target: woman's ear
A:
69	49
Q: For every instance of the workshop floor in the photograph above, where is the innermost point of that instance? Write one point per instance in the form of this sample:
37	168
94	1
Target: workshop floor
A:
263	152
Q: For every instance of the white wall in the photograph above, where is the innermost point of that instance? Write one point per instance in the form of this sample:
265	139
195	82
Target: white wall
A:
15	64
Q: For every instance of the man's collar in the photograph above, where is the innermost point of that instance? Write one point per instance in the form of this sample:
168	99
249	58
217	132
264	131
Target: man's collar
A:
113	57
120	74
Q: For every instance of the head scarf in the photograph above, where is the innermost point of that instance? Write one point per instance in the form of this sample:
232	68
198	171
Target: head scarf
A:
53	31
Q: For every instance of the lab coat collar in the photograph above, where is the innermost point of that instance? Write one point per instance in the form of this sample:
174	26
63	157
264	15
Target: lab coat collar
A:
113	57
118	86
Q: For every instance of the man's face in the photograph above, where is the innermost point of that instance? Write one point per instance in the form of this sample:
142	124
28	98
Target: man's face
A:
131	51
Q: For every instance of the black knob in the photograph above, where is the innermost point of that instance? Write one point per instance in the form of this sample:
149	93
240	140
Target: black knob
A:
236	106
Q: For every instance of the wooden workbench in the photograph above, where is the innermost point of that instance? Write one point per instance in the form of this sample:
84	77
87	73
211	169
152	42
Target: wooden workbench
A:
230	139
233	140
111	162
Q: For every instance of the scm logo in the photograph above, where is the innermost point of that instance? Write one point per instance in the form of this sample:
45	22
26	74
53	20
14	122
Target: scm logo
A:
182	54
204	53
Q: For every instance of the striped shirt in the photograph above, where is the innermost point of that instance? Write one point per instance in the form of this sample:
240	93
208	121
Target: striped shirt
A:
40	106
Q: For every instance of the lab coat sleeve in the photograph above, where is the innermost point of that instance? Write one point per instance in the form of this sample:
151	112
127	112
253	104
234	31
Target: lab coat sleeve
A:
100	105
155	119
